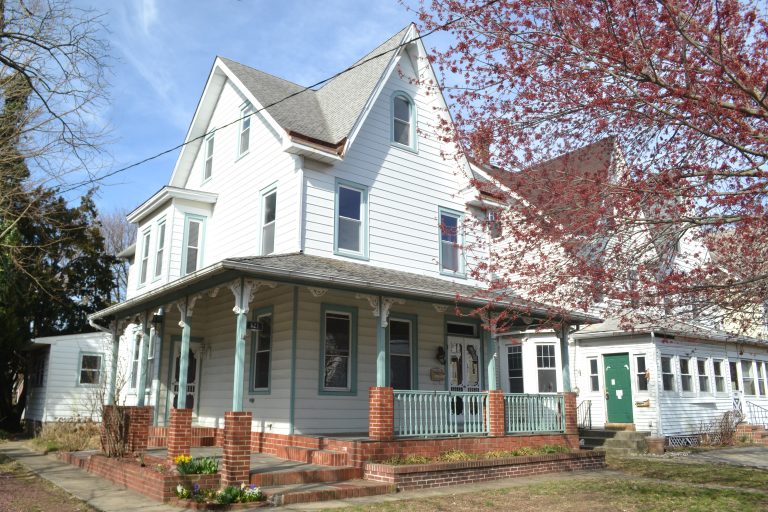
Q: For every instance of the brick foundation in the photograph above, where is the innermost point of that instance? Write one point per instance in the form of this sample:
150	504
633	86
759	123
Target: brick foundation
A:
496	425
236	462
179	433
381	414
442	474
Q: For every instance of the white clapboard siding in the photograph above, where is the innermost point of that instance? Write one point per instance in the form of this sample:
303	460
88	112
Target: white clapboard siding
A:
62	396
645	418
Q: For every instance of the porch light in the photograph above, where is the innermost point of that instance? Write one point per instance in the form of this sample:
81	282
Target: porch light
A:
440	356
157	319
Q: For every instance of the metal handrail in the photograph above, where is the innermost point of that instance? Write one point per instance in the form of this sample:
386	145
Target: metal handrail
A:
757	415
584	414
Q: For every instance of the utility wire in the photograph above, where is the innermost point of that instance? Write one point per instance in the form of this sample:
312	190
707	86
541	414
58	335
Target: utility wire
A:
286	98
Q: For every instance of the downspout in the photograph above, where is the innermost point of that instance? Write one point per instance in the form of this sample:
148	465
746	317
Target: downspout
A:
659	428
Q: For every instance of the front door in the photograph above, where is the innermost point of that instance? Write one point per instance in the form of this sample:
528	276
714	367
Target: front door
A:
618	388
463	364
193	376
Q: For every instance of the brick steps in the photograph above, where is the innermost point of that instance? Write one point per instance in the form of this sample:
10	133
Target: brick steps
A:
306	493
305	476
313	456
757	434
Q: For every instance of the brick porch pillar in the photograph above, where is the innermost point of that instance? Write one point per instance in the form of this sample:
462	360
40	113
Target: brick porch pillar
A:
496	426
381	413
571	422
179	433
137	419
236	463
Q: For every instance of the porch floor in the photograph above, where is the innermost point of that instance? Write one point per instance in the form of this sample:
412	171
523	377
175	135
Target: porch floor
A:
260	462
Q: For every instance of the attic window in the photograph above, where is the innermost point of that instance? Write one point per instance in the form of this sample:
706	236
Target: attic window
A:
402	120
244	143
208	171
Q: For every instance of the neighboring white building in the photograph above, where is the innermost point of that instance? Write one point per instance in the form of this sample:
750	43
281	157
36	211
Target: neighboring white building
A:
333	221
669	380
67	377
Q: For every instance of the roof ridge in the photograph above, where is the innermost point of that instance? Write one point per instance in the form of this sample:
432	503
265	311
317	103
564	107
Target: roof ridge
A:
264	73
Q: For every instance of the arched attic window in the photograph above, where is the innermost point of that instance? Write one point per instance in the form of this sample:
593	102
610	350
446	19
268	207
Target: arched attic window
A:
403	121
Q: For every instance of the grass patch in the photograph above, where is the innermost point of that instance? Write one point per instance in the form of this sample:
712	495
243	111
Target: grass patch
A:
460	456
690	472
586	495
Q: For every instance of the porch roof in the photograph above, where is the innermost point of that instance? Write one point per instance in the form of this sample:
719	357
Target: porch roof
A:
299	268
676	328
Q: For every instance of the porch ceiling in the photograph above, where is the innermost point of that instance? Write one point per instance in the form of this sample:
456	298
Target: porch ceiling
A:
303	269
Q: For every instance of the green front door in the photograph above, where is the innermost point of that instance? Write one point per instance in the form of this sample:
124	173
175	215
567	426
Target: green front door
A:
618	388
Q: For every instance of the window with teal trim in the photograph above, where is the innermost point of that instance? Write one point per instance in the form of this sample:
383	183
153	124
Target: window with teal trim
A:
400	353
269	214
351	220
451	252
337	351
261	353
403	126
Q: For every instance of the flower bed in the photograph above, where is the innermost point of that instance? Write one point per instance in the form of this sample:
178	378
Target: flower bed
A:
197	497
441	474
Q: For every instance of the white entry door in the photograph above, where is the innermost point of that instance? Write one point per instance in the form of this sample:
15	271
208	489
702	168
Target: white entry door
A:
193	376
464	375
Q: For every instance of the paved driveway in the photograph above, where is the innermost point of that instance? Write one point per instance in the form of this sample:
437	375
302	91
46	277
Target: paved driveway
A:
752	456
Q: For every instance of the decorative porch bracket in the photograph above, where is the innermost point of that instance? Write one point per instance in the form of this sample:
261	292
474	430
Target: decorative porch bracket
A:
381	306
244	290
185	307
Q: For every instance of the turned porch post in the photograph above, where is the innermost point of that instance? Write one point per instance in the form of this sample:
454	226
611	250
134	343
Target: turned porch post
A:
141	383
565	357
112	375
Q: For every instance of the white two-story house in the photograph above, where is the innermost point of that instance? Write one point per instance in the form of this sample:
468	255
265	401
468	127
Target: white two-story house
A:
310	245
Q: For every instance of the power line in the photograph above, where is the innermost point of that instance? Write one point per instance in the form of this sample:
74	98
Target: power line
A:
277	102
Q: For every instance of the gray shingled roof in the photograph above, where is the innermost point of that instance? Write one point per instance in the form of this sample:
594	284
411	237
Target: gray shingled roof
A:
328	113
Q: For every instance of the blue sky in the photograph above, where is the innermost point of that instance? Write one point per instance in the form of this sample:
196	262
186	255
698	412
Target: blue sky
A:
162	52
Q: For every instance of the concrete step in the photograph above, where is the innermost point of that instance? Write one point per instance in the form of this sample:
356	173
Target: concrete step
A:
305	476
305	493
594	433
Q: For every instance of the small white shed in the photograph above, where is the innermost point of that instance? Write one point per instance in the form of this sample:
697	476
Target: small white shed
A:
67	377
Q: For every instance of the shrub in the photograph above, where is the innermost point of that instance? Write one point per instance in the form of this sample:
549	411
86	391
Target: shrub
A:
455	456
69	434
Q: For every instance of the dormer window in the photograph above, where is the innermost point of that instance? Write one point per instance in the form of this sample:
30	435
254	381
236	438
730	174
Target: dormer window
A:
244	143
208	170
403	121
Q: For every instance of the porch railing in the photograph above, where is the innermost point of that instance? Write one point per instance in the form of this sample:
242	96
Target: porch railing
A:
584	415
534	413
439	413
757	415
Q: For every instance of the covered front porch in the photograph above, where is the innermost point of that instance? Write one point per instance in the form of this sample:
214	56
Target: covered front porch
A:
324	355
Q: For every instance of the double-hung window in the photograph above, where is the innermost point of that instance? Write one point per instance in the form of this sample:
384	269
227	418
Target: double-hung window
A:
193	243
451	256
547	368
761	377
703	371
208	167
748	376
401	352
268	214
159	249
338	345
641	377
594	376
667	374
135	361
144	265
686	375
244	141
719	375
90	369
351	220
403	125
515	368
261	350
